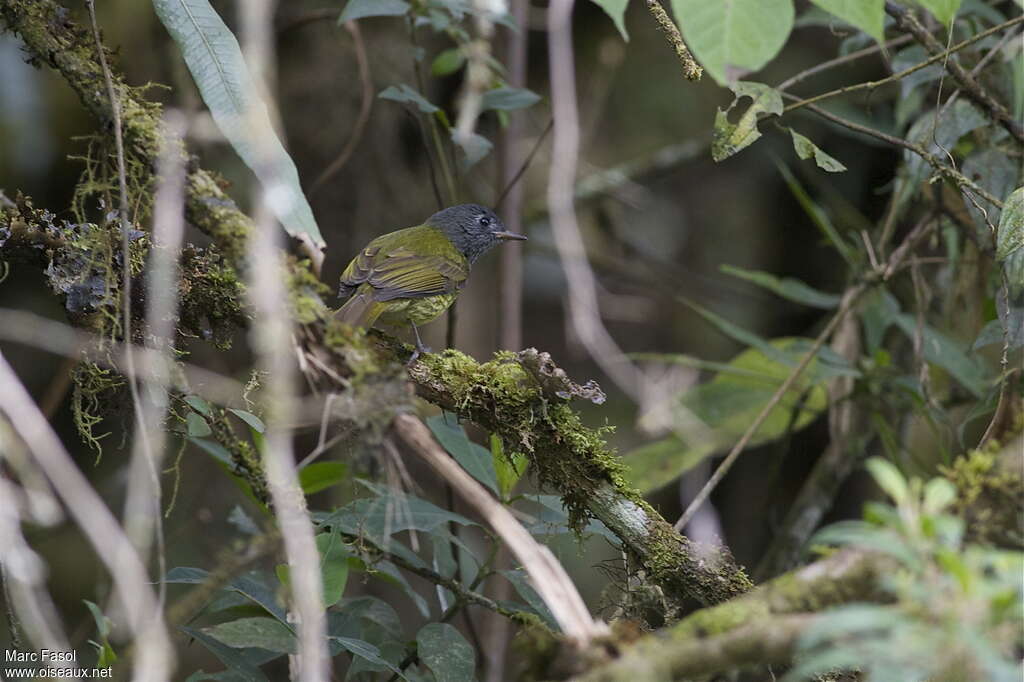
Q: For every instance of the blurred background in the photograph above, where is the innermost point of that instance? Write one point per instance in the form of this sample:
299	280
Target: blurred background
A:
661	230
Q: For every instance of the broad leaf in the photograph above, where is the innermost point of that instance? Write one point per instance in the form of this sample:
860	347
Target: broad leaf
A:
363	649
733	38
889	479
447	62
247	587
473	147
521	581
786	287
867	15
265	633
321	475
446	652
254	422
196	425
507	469
730	138
334	556
943	10
948	354
1010	236
360	9
508	99
237	661
406	94
477	461
215	61
616	9
806	149
996	172
731	401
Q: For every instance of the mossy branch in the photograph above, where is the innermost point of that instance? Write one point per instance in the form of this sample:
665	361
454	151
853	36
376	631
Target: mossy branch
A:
50	37
502	395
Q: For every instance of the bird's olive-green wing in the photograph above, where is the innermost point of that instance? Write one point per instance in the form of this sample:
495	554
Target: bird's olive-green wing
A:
411	263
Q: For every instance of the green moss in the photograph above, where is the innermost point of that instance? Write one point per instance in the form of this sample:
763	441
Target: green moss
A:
96	390
211	296
566	455
991	496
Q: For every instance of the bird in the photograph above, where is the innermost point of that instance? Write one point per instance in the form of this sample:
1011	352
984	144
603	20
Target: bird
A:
411	276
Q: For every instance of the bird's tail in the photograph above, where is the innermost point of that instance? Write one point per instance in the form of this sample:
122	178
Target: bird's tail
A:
360	310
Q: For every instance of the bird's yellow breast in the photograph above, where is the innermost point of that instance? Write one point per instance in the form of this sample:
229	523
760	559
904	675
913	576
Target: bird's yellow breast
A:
419	311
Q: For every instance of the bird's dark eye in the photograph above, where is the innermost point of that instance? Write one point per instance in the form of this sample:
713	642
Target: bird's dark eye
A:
484	221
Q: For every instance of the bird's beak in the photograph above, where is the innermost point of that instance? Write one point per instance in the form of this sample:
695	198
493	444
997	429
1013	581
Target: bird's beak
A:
510	235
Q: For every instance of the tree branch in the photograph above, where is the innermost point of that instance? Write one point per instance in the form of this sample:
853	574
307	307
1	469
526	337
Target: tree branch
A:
908	23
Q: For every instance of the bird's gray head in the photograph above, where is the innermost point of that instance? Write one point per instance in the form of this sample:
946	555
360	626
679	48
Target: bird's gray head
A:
472	228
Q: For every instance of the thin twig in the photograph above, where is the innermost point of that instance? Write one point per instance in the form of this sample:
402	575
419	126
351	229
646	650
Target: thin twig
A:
838	61
365	107
850	297
871	85
907	22
524	165
954	175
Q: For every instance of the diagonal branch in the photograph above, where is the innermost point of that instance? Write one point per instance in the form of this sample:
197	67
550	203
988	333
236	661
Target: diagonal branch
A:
908	23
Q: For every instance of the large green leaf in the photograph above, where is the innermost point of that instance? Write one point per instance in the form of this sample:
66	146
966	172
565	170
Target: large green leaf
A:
939	349
786	287
265	633
943	10
616	9
215	61
1010	237
867	15
730	138
446	652
237	660
248	587
476	460
359	9
736	37
730	402
367	651
334	556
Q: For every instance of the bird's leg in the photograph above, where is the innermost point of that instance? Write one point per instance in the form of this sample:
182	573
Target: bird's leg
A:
420	348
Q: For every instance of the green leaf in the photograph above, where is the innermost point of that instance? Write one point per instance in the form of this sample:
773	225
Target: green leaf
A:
889	479
265	633
730	138
106	656
943	351
867	15
616	9
215	61
249	588
938	494
334	557
655	465
447	62
321	475
197	426
360	9
996	172
363	649
408	95
806	149
199	405
446	652
477	461
236	660
786	287
508	99
521	582
508	468
1010	236
254	422
734	38
943	10
474	148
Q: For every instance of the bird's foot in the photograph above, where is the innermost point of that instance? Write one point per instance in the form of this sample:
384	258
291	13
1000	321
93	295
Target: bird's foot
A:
419	350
